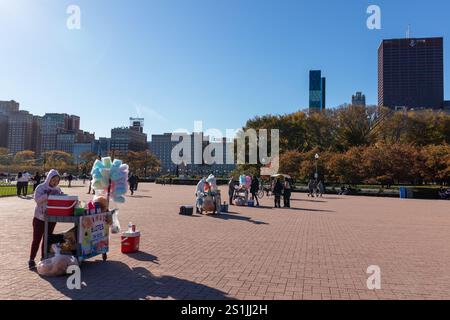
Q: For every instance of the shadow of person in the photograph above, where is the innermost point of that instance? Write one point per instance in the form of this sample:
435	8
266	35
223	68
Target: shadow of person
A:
310	210
234	216
140	196
305	200
143	256
114	280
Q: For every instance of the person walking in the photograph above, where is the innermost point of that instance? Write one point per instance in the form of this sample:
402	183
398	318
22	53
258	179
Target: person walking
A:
254	188
36	180
311	188
70	178
43	191
277	191
231	190
132	181
287	193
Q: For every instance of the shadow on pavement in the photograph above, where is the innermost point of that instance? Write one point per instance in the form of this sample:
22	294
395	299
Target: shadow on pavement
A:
310	210
306	200
140	197
143	256
235	216
114	280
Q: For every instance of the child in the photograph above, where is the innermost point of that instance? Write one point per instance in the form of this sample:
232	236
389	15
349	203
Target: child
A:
49	187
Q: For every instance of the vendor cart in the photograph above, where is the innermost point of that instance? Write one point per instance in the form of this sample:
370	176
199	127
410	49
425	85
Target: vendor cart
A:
92	234
215	197
241	196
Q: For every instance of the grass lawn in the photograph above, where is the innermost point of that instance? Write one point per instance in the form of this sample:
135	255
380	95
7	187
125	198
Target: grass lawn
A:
11	190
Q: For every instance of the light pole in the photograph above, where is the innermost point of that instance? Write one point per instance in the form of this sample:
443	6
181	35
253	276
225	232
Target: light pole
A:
316	175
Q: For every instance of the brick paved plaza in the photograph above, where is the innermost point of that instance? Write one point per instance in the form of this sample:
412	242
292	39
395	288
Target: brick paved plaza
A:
320	249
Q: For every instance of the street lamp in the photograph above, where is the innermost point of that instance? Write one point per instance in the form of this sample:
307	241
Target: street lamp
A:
316	175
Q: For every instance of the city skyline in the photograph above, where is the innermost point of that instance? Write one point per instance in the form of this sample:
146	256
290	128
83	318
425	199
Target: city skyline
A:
167	68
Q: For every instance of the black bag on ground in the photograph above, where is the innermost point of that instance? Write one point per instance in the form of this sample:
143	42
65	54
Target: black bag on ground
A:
187	210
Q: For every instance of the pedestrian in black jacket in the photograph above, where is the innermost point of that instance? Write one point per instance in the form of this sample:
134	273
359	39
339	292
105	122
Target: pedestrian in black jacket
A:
277	192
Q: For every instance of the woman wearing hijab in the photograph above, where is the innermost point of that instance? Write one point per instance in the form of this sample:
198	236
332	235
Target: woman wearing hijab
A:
49	187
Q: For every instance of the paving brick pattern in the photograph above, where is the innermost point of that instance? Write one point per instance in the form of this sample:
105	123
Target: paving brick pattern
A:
319	249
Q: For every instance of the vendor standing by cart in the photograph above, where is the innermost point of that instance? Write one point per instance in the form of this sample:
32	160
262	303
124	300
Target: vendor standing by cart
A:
49	187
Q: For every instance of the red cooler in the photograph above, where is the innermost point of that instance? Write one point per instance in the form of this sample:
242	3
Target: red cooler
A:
61	205
130	242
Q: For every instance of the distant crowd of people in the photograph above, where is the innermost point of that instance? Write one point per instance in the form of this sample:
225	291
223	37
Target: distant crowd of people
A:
279	188
23	181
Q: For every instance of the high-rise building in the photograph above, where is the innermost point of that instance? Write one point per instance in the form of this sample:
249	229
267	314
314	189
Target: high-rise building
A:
128	139
52	125
73	123
162	145
79	149
358	99
20	128
317	91
102	146
7	107
65	141
411	73
3	131
36	135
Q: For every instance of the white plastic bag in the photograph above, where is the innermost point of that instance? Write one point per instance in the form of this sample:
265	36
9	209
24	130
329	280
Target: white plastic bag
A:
115	228
56	266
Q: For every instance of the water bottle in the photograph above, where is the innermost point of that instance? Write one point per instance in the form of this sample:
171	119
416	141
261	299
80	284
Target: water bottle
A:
130	227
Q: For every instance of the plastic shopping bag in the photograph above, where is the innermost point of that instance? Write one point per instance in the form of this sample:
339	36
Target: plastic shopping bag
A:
116	224
56	266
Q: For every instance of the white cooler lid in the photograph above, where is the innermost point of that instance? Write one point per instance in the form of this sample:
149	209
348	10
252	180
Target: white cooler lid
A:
63	198
131	234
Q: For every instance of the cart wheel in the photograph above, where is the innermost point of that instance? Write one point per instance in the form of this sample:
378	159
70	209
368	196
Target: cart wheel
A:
104	256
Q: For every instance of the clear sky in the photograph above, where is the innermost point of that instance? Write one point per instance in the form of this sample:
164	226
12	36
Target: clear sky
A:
177	61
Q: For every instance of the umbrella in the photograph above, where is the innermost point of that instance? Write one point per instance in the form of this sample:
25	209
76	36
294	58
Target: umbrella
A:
281	176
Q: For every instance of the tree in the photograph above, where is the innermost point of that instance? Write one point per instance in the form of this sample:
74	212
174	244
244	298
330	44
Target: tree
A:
5	158
59	160
437	163
24	156
353	127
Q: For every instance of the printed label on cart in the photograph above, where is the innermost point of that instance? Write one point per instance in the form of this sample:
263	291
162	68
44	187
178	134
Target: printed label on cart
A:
93	235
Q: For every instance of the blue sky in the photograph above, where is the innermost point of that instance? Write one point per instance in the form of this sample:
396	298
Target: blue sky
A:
177	61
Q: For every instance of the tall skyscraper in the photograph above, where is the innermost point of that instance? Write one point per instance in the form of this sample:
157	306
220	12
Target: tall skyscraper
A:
52	125
36	136
3	131
20	128
411	73
358	99
317	91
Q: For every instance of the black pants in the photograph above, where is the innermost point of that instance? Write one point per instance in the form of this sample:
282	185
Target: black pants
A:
19	187
25	189
230	197
35	186
278	201
287	199
255	197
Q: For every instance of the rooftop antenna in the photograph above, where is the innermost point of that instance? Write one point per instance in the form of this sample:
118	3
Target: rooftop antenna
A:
408	32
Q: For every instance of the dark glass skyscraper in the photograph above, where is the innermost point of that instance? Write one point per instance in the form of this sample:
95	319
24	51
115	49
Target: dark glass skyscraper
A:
317	91
411	73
